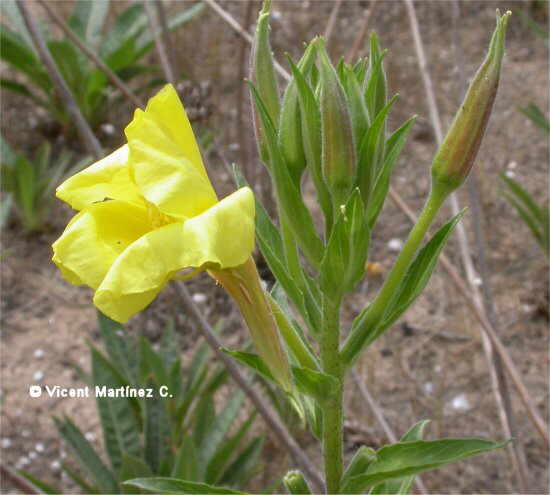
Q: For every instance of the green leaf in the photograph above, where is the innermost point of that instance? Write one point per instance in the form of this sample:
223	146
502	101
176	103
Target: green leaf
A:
402	486
419	273
393	148
123	357
288	195
534	113
371	152
359	463
220	427
375	92
253	361
38	485
346	253
21	89
409	458
176	486
133	467
157	431
186	465
87	20
318	385
86	455
217	465
128	25
118	414
241	469
78	480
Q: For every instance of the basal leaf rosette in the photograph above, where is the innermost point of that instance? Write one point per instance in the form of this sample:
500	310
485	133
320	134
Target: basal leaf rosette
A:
148	211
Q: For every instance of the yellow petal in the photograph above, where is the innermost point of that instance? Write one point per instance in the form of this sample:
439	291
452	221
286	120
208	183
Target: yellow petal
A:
94	239
221	237
107	178
165	160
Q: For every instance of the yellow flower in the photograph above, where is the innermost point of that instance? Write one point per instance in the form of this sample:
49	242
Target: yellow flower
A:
147	212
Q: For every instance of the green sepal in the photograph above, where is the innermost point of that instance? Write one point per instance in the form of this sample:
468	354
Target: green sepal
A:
311	135
288	195
290	125
343	265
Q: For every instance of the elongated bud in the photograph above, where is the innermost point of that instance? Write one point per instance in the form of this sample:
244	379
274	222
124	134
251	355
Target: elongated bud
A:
455	157
295	483
375	91
290	126
264	77
243	285
338	147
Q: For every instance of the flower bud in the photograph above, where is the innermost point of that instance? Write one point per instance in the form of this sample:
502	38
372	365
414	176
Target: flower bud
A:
455	157
290	126
243	285
264	77
295	483
338	147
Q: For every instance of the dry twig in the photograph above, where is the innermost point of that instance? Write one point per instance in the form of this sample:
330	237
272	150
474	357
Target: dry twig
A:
91	55
332	20
86	134
18	480
159	43
362	36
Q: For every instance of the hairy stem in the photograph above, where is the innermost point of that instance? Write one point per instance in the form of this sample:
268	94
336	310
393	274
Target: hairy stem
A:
333	415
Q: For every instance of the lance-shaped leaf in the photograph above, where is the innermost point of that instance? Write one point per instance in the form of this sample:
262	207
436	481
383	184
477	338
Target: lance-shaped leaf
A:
393	148
359	463
409	458
347	249
371	153
178	487
375	91
411	286
288	196
402	486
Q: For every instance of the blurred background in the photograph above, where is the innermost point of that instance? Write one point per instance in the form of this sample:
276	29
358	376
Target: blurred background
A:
432	364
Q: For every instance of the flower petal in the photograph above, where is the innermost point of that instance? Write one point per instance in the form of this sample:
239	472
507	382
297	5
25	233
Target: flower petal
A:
165	159
94	239
107	178
222	237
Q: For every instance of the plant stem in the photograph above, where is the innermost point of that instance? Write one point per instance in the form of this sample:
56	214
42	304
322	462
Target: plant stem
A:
367	331
333	407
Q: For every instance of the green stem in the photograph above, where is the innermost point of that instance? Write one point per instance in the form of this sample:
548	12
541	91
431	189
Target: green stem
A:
377	310
332	407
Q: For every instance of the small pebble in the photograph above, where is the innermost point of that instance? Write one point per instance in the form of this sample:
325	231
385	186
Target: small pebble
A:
428	387
90	436
460	403
108	129
25	433
38	376
477	281
510	174
395	244
55	466
6	443
32	455
39	447
276	14
38	354
199	297
512	165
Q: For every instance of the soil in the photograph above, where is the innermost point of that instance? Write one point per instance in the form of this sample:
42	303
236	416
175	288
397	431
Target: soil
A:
431	364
